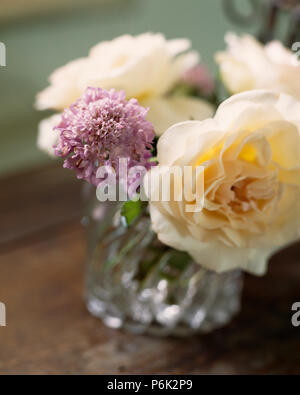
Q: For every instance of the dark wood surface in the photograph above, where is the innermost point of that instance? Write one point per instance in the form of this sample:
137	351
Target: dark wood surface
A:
42	253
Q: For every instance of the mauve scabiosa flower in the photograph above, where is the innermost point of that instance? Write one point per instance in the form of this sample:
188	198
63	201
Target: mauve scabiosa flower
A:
200	78
101	127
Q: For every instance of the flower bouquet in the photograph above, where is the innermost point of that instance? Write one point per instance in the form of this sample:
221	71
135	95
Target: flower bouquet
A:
182	193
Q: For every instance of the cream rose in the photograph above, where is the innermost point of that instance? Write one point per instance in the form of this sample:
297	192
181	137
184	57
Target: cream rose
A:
47	137
250	152
247	64
146	66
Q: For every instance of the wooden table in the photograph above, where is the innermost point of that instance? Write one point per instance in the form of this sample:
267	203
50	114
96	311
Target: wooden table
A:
42	253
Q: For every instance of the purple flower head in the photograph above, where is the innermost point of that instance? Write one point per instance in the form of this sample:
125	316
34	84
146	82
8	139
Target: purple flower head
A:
101	127
199	77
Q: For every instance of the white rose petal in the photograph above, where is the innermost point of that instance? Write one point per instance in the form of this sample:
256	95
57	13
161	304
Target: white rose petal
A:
164	112
146	67
47	137
246	64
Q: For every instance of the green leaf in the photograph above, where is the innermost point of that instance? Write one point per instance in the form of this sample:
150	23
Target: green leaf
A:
131	210
154	159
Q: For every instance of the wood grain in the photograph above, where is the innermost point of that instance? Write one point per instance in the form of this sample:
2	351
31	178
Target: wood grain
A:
42	254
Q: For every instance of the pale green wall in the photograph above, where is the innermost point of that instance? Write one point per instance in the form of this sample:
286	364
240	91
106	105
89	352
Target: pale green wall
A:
36	46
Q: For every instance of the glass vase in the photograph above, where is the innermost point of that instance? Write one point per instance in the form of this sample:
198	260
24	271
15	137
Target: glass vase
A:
136	283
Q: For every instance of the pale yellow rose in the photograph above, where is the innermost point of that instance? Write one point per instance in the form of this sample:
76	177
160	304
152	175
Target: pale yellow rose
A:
146	66
247	64
47	137
250	152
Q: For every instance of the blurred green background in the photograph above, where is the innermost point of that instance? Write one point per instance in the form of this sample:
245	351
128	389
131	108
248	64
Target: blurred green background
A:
38	40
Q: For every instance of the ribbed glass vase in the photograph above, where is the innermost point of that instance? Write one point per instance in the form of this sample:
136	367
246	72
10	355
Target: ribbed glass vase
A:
136	283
